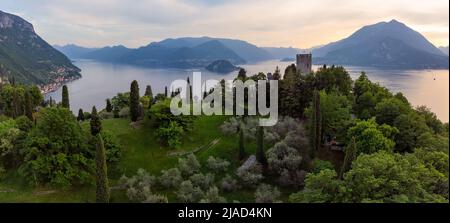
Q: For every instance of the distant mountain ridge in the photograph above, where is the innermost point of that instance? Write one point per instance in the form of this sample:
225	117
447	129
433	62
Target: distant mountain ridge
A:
282	52
73	51
186	52
385	44
444	49
28	58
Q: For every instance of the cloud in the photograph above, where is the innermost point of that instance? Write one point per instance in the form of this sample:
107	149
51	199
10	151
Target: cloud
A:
298	23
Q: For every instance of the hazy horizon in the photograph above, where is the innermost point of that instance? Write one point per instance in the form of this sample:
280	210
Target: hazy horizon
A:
298	24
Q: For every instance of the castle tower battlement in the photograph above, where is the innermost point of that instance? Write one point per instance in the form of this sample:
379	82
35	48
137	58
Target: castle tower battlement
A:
304	63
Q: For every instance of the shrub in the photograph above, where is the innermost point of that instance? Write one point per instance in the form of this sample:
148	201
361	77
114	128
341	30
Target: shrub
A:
112	147
217	164
106	115
281	157
170	178
170	134
212	196
202	181
24	124
320	165
87	115
10	144
229	183
292	178
188	165
124	112
189	193
286	162
267	194
250	177
156	198
2	172
138	187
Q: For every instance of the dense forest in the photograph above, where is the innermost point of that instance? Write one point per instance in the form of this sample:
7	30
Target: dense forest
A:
338	140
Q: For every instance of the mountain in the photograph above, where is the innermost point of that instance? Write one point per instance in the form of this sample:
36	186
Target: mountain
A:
444	49
202	55
245	50
221	67
108	54
73	51
385	44
27	57
282	52
168	54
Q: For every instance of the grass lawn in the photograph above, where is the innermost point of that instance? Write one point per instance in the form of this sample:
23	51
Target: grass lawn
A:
141	149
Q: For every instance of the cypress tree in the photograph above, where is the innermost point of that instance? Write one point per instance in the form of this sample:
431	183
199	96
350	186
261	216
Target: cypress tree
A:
108	105
350	155
276	75
242	74
149	94
28	106
15	103
241	143
165	92
80	116
96	124
65	97
260	155
102	184
134	101
315	124
50	102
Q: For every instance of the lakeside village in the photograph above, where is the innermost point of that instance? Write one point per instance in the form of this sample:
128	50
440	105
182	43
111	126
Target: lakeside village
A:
61	76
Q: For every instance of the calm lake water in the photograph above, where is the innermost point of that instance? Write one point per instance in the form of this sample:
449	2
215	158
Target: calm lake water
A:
104	80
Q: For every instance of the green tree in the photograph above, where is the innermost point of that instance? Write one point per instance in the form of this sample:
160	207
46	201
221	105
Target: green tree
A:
102	192
334	78
134	101
109	107
371	137
55	151
322	187
277	74
380	177
335	112
367	96
411	126
149	94
80	116
148	91
392	177
65	97
96	124
315	125
260	154
242	74
350	155
28	106
389	109
431	119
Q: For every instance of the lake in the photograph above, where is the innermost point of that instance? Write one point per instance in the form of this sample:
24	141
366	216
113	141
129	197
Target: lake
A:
104	80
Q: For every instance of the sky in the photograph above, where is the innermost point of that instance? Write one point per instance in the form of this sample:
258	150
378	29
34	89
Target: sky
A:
276	23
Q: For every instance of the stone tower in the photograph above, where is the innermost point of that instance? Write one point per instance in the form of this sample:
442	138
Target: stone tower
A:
304	63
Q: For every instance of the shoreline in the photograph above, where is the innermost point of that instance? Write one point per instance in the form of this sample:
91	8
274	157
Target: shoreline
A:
56	84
